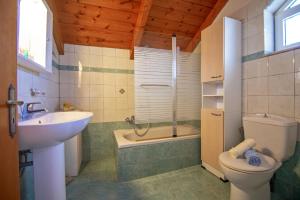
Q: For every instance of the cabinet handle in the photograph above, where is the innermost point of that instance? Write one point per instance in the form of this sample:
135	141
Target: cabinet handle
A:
214	114
219	76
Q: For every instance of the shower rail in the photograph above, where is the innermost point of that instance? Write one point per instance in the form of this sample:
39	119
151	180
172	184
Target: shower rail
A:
154	85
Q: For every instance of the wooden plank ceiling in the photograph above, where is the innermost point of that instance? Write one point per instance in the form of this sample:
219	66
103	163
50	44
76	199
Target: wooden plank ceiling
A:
128	23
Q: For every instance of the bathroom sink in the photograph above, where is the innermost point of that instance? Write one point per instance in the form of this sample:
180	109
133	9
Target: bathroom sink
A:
45	136
51	129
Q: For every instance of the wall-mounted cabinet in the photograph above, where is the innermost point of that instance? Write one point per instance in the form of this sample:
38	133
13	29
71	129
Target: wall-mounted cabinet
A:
221	91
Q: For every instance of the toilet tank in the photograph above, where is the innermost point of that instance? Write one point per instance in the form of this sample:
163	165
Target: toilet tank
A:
274	135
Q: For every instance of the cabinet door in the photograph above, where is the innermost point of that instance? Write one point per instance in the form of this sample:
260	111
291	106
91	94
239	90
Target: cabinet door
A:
212	136
212	53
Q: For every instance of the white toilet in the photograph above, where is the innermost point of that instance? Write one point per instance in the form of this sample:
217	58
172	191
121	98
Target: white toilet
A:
275	140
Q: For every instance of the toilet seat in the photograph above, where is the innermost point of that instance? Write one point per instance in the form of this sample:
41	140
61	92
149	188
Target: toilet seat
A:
241	164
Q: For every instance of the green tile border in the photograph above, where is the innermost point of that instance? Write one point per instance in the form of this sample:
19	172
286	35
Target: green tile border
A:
94	69
253	56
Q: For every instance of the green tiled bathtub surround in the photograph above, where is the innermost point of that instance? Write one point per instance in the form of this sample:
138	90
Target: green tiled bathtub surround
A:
98	140
146	160
287	179
94	69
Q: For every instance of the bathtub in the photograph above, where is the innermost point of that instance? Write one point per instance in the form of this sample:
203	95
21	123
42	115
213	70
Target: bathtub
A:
156	152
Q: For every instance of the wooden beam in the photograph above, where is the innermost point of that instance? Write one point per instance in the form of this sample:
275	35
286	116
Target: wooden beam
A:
140	24
56	27
208	21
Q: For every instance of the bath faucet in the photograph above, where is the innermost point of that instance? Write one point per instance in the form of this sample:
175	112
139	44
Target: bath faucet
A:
130	120
28	109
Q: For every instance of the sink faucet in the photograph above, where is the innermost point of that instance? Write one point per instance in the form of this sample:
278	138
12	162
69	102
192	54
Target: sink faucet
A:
130	120
28	109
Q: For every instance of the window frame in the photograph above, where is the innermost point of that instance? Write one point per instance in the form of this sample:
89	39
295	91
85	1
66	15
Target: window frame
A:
30	64
279	18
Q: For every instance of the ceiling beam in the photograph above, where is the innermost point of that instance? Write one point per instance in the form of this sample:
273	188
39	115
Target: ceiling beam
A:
56	27
140	25
208	21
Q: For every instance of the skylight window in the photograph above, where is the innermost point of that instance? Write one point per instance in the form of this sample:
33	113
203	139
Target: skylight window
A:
287	23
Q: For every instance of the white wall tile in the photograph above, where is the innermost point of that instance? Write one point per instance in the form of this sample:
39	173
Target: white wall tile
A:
255	8
83	60
297	60
255	25
109	91
95	61
257	86
109	51
69	48
245	47
255	43
123	53
82	78
121	103
282	105
245	104
67	76
96	78
257	104
110	104
82	104
257	68
109	61
96	103
81	49
281	63
96	91
96	51
121	79
297	83
122	63
297	107
119	88
282	84
245	87
81	91
109	79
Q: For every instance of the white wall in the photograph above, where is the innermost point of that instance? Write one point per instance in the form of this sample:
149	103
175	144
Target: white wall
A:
96	86
44	82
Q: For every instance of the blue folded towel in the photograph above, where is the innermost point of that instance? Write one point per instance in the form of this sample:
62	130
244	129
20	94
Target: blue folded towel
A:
252	157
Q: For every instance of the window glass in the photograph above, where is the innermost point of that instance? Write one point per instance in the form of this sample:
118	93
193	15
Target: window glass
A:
33	31
293	4
292	30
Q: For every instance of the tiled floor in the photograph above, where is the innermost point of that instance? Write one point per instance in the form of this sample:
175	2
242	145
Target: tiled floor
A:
97	181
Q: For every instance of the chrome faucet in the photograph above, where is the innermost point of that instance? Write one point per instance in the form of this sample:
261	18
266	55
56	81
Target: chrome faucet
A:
130	120
28	110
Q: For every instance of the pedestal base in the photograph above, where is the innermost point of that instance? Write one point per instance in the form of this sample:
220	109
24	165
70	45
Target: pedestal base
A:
49	173
261	193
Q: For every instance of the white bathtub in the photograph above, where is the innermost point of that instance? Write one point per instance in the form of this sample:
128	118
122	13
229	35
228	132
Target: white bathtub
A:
127	137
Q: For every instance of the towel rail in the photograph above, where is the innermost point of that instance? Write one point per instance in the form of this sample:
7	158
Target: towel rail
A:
154	85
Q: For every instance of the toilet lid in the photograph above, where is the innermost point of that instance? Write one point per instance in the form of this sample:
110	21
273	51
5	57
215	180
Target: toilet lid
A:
241	164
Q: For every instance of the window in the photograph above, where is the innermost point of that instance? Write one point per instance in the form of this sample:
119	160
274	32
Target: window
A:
35	35
287	23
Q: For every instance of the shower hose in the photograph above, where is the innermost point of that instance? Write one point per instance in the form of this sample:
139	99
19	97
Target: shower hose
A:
140	134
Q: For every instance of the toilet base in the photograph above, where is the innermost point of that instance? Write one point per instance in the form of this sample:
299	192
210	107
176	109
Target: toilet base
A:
261	193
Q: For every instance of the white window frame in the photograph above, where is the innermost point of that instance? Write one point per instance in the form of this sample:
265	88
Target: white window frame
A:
31	65
280	15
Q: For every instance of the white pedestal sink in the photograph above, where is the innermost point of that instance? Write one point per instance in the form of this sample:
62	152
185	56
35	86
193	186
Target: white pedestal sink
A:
45	136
